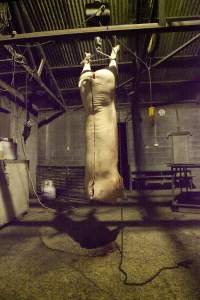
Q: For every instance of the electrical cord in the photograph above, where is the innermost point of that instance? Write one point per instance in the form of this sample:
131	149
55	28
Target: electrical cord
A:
76	269
184	264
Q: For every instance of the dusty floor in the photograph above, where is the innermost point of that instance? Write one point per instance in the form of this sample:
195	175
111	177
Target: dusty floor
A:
40	260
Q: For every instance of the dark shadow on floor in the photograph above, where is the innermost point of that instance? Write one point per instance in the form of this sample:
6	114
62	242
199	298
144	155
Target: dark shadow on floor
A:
61	204
89	233
132	223
190	198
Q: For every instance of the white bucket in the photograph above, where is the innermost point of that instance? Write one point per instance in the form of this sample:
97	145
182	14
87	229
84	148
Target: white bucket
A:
48	189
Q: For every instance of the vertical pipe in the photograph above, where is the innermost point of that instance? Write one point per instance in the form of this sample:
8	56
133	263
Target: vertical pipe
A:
135	108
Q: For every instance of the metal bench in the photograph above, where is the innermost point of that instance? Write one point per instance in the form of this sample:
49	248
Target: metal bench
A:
162	179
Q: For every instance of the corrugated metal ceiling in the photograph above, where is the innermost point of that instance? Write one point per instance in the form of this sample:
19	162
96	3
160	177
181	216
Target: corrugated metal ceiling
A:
62	14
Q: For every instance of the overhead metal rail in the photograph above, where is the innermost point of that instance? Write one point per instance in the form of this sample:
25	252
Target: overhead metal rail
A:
90	32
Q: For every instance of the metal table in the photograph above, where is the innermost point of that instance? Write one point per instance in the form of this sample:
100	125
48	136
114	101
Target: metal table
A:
182	174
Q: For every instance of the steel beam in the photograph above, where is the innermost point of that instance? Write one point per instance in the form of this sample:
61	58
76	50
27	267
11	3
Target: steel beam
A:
167	57
20	97
37	79
41	51
145	83
129	64
170	82
126	65
164	102
90	32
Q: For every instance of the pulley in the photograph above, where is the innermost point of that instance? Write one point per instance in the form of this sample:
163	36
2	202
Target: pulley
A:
97	13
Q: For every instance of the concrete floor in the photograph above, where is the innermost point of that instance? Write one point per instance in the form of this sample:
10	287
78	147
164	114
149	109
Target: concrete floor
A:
40	260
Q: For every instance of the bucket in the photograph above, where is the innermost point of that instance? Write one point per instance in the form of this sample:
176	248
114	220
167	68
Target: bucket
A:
48	189
8	149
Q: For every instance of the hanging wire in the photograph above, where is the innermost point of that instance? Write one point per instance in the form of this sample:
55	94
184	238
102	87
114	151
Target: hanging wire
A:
94	144
177	118
132	52
150	85
26	94
148	67
13	74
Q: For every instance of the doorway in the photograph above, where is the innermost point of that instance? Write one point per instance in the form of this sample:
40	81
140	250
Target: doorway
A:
123	165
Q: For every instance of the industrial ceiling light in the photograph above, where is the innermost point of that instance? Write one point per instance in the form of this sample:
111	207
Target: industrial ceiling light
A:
161	112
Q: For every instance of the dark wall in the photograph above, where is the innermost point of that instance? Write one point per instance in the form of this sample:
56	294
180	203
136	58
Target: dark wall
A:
189	120
62	142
